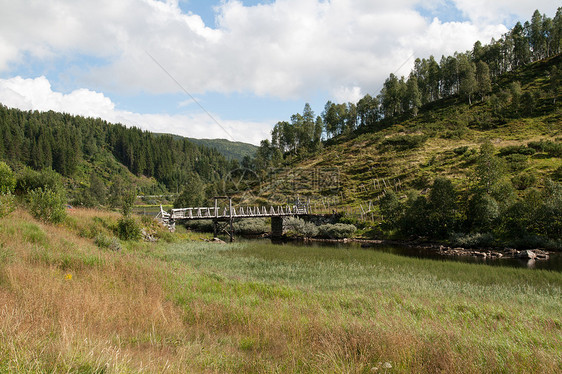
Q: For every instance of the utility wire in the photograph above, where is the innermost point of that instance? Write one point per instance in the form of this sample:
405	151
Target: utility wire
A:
190	95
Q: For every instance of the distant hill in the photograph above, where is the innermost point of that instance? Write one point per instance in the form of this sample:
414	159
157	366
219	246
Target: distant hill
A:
229	149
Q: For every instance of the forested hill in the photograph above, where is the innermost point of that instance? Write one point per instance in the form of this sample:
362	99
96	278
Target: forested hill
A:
77	147
231	150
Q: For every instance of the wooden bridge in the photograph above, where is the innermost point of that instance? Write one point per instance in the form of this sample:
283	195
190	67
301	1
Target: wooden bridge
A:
227	214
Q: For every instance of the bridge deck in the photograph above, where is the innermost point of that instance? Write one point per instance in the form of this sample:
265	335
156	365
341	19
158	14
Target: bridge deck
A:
227	213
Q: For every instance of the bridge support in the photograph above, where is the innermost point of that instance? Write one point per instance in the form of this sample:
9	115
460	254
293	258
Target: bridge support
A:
277	227
220	226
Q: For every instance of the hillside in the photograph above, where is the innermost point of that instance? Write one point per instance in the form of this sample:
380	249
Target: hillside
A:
443	140
99	160
229	149
489	170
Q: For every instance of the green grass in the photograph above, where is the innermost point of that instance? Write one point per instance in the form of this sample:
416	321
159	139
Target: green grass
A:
469	317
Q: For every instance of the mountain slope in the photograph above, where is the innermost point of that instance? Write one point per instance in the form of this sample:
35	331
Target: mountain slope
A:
229	149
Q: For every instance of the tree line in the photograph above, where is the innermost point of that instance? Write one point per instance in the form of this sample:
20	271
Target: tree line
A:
67	143
469	76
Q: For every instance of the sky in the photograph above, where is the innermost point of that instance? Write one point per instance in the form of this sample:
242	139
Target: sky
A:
227	69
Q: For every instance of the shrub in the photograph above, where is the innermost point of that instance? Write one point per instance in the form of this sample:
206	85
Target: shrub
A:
30	180
336	231
460	150
557	174
106	242
128	229
549	147
47	205
310	230
299	227
7	179
517	161
254	226
472	240
517	149
200	225
404	142
524	180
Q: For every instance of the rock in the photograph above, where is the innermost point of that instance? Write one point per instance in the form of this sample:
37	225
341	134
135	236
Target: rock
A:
147	237
527	255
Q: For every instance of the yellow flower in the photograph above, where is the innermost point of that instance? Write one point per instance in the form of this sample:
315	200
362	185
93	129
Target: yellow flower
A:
68	276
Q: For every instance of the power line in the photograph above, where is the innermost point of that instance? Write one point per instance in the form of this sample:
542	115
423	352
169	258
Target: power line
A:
190	95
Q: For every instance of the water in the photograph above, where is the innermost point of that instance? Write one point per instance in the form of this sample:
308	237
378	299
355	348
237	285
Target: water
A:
554	263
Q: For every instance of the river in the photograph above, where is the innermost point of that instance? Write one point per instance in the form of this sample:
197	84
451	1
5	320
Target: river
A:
554	262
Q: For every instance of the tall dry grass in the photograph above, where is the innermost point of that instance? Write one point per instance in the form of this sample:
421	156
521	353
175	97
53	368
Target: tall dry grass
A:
69	306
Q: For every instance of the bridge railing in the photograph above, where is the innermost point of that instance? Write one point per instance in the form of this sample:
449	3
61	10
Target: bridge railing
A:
242	212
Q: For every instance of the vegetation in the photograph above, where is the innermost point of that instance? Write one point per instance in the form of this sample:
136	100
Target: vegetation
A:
231	150
70	304
468	147
99	161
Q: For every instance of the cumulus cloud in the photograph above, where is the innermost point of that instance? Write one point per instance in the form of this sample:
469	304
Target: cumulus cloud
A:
37	94
284	48
485	12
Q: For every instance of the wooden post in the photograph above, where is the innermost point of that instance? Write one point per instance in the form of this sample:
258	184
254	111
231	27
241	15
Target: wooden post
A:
231	231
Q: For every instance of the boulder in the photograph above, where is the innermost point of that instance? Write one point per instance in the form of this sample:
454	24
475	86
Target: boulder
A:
527	255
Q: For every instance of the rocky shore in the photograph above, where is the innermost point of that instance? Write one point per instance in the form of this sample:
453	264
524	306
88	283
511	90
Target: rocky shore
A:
495	253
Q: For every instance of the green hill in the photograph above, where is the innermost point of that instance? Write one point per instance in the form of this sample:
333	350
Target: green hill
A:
490	168
98	160
229	149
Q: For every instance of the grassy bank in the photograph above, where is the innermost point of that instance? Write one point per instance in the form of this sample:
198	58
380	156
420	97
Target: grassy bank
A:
69	306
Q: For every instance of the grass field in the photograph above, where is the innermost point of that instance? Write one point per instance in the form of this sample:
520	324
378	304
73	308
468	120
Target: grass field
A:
68	306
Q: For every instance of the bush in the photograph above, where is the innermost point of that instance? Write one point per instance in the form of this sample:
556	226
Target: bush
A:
30	180
7	179
106	242
336	231
460	150
253	226
549	147
205	225
517	161
524	180
47	205
472	240
404	142
517	149
128	229
557	174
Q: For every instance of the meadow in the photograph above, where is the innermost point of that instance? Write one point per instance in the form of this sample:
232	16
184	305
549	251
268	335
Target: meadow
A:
182	305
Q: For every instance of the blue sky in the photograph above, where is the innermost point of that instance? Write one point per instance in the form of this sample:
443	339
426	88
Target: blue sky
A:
249	64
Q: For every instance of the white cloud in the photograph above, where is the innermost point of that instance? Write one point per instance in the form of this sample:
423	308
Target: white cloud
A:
284	49
486	12
347	94
36	94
